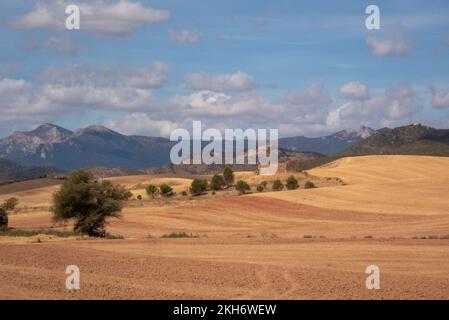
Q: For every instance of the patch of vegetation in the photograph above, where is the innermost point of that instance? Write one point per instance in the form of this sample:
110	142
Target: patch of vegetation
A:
217	182
198	186
308	236
10	204
292	183
31	233
242	187
228	175
277	185
139	197
309	185
89	202
3	218
165	190
262	186
179	235
151	190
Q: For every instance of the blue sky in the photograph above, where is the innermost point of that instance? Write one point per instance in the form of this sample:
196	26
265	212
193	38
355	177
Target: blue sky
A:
305	67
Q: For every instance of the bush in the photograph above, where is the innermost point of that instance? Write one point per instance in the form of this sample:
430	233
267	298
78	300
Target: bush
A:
259	188
89	202
139	197
277	185
179	235
3	219
10	204
198	186
217	182
228	176
242	187
166	190
151	190
309	185
292	183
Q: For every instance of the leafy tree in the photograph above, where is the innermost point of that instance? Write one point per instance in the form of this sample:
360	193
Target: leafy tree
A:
228	176
10	204
277	185
198	186
151	190
309	185
3	218
292	183
242	186
89	202
165	190
217	182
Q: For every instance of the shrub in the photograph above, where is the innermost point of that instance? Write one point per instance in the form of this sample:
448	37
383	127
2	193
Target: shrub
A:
184	193
309	185
10	204
89	202
217	182
277	185
259	188
198	186
242	186
292	183
3	219
139	197
165	190
179	235
151	190
228	176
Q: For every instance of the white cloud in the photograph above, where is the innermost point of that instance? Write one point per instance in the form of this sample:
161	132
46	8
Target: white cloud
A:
354	90
152	76
440	99
396	106
388	47
184	36
119	18
141	123
392	41
229	82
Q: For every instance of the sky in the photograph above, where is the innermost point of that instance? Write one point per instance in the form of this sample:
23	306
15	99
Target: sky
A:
148	67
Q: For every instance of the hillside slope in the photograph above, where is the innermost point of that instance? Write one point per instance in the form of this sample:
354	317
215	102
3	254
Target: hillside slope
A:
380	184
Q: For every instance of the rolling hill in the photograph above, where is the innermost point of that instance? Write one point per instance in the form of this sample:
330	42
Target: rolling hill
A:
414	139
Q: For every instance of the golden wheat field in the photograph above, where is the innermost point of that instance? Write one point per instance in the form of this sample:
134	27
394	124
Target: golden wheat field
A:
390	211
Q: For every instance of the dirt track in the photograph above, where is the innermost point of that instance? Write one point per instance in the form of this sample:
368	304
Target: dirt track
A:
248	247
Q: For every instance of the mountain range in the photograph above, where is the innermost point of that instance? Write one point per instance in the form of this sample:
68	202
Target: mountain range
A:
28	154
327	145
51	145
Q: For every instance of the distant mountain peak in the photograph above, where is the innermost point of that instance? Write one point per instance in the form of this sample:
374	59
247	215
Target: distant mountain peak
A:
348	134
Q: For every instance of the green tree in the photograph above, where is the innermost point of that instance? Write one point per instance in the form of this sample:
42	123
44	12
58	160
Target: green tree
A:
228	176
166	190
198	186
3	218
10	204
217	182
89	202
292	183
277	185
151	190
309	185
242	186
